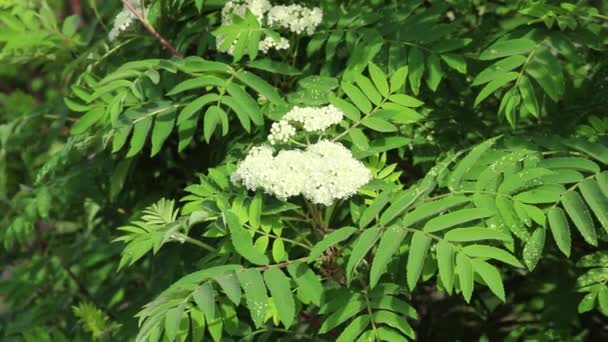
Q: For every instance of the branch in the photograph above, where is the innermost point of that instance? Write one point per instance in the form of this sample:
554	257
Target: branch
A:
152	31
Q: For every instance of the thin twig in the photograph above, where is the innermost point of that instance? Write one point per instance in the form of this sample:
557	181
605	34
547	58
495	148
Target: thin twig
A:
152	31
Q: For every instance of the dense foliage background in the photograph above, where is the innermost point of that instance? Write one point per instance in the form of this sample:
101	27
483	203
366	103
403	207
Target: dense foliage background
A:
484	125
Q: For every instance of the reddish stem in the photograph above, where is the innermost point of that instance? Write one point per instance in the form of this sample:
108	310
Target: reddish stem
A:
152	31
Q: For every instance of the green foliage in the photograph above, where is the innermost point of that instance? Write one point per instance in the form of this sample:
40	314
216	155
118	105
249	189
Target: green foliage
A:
482	125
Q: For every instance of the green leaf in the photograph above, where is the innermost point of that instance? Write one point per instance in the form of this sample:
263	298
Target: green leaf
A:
199	6
398	78
110	87
195	83
571	163
87	120
230	285
173	320
400	202
389	244
560	229
354	329
464	269
602	298
255	294
70	25
594	150
475	234
547	71
255	210
309	284
433	208
242	241
395	321
455	61
244	105
364	243
415	63
490	276
278	285
242	113
602	182
587	303
278	250
186	133
578	212
497	69
399	114
163	125
445	262
467	163
261	243
205	300
419	247
548	193
140	133
368	89
563	177
489	252
198	324
118	177
377	124
120	138
275	67
494	85
372	211
505	48
358	138
349	110
533	249
388	334
456	218
330	240
522	180
379	79
259	85
528	96
406	100
357	97
435	73
350	309
195	106
212	119
383	301
596	200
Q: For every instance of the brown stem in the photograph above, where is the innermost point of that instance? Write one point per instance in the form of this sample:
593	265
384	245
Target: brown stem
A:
76	8
152	31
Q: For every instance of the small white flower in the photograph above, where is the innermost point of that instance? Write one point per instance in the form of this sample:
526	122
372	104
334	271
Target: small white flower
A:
295	18
281	132
269	43
323	173
123	20
240	7
315	118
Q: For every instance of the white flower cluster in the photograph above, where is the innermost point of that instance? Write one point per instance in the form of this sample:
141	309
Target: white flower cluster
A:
315	118
295	18
323	173
124	19
312	119
281	131
240	7
269	43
